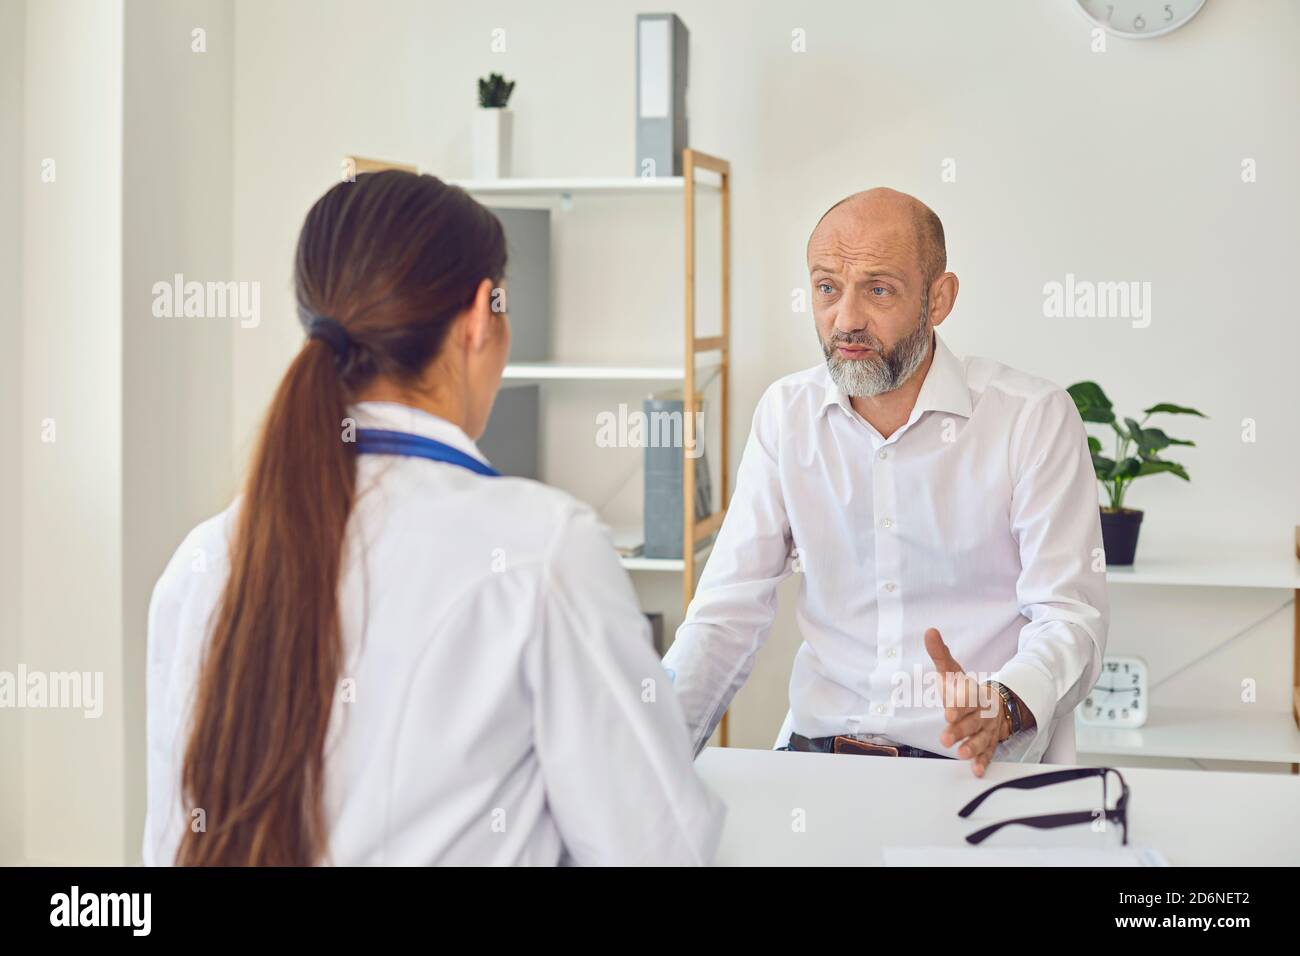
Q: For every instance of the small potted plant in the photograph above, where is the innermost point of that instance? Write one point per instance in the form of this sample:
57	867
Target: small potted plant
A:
1137	453
492	127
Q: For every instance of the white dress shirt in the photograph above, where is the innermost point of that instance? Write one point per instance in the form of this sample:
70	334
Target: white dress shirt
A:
507	704
978	517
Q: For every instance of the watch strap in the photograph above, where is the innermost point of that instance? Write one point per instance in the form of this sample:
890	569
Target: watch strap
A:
1013	712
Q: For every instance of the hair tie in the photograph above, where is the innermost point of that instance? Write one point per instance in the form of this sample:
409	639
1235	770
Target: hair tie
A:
332	333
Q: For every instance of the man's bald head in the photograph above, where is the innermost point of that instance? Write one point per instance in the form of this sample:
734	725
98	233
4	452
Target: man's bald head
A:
889	203
878	270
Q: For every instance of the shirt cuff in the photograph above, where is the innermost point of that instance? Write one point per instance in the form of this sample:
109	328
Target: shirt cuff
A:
1015	747
1037	691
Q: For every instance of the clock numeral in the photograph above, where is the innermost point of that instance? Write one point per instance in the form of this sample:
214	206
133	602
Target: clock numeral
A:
1139	22
1169	12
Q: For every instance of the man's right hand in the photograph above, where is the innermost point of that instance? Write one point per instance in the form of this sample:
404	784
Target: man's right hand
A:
971	717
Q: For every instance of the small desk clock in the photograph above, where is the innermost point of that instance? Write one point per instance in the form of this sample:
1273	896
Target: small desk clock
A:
1139	19
1120	696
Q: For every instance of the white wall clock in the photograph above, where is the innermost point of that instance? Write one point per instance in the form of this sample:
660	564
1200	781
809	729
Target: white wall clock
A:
1139	19
1120	696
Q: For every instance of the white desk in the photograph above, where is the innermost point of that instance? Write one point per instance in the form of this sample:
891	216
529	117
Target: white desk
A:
854	806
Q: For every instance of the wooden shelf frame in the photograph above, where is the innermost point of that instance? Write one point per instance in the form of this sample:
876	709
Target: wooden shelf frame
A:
696	530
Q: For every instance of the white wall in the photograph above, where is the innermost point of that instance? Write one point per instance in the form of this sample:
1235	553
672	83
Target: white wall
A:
74	774
1123	165
139	125
13	17
177	372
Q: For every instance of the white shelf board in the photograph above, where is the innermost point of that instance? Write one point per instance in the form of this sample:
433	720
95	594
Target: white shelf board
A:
654	564
581	185
1224	570
676	565
1266	736
599	371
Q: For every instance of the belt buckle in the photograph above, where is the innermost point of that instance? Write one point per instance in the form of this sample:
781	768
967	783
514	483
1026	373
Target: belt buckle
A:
848	745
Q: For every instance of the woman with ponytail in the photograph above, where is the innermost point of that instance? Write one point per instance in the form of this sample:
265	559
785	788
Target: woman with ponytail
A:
383	652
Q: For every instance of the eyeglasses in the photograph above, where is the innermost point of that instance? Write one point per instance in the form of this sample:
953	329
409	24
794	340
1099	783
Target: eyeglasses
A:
1051	820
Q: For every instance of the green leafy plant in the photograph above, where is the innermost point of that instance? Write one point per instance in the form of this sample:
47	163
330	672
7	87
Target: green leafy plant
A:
494	91
1137	447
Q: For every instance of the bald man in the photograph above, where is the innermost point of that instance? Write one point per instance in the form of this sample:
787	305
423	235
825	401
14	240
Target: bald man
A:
942	514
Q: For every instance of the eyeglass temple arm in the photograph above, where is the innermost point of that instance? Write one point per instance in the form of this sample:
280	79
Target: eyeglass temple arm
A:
1046	822
1032	782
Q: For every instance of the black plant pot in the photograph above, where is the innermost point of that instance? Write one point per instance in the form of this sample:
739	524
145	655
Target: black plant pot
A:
1119	535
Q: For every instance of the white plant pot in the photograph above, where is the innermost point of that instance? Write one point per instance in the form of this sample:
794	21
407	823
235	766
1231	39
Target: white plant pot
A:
492	143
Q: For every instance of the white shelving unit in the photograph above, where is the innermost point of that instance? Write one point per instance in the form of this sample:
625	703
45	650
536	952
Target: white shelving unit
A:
582	186
1244	735
1267	736
701	173
1247	571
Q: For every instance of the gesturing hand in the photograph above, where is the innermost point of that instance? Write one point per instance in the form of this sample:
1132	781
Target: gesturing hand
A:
971	714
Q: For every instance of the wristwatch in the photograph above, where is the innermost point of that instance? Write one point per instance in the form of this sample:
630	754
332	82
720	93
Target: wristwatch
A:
1013	712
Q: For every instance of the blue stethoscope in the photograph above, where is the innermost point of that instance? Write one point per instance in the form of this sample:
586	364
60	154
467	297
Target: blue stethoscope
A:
377	441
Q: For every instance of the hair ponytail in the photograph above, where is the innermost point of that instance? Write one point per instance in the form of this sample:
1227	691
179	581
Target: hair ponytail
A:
255	756
395	257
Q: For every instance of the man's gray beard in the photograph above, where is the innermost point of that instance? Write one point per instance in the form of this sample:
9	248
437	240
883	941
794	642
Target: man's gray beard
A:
883	371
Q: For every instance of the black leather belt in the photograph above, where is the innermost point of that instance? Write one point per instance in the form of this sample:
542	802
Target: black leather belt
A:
851	745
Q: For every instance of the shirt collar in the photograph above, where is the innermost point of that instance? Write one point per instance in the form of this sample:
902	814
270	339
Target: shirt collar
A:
944	388
393	416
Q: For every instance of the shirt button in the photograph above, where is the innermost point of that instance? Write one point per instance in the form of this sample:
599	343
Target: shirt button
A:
883	454
880	708
887	523
891	652
890	586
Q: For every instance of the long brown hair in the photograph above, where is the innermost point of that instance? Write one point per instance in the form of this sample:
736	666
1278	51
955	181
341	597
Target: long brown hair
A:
392	257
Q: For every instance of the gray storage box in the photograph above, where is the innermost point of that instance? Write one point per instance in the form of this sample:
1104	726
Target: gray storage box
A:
510	440
528	282
663	486
656	620
662	41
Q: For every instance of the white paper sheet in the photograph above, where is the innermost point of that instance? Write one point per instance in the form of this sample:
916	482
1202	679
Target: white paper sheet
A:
1022	856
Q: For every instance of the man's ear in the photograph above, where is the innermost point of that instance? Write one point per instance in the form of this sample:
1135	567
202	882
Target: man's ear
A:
943	296
480	320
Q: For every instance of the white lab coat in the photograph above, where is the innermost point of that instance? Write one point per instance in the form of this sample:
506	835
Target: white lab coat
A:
505	705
